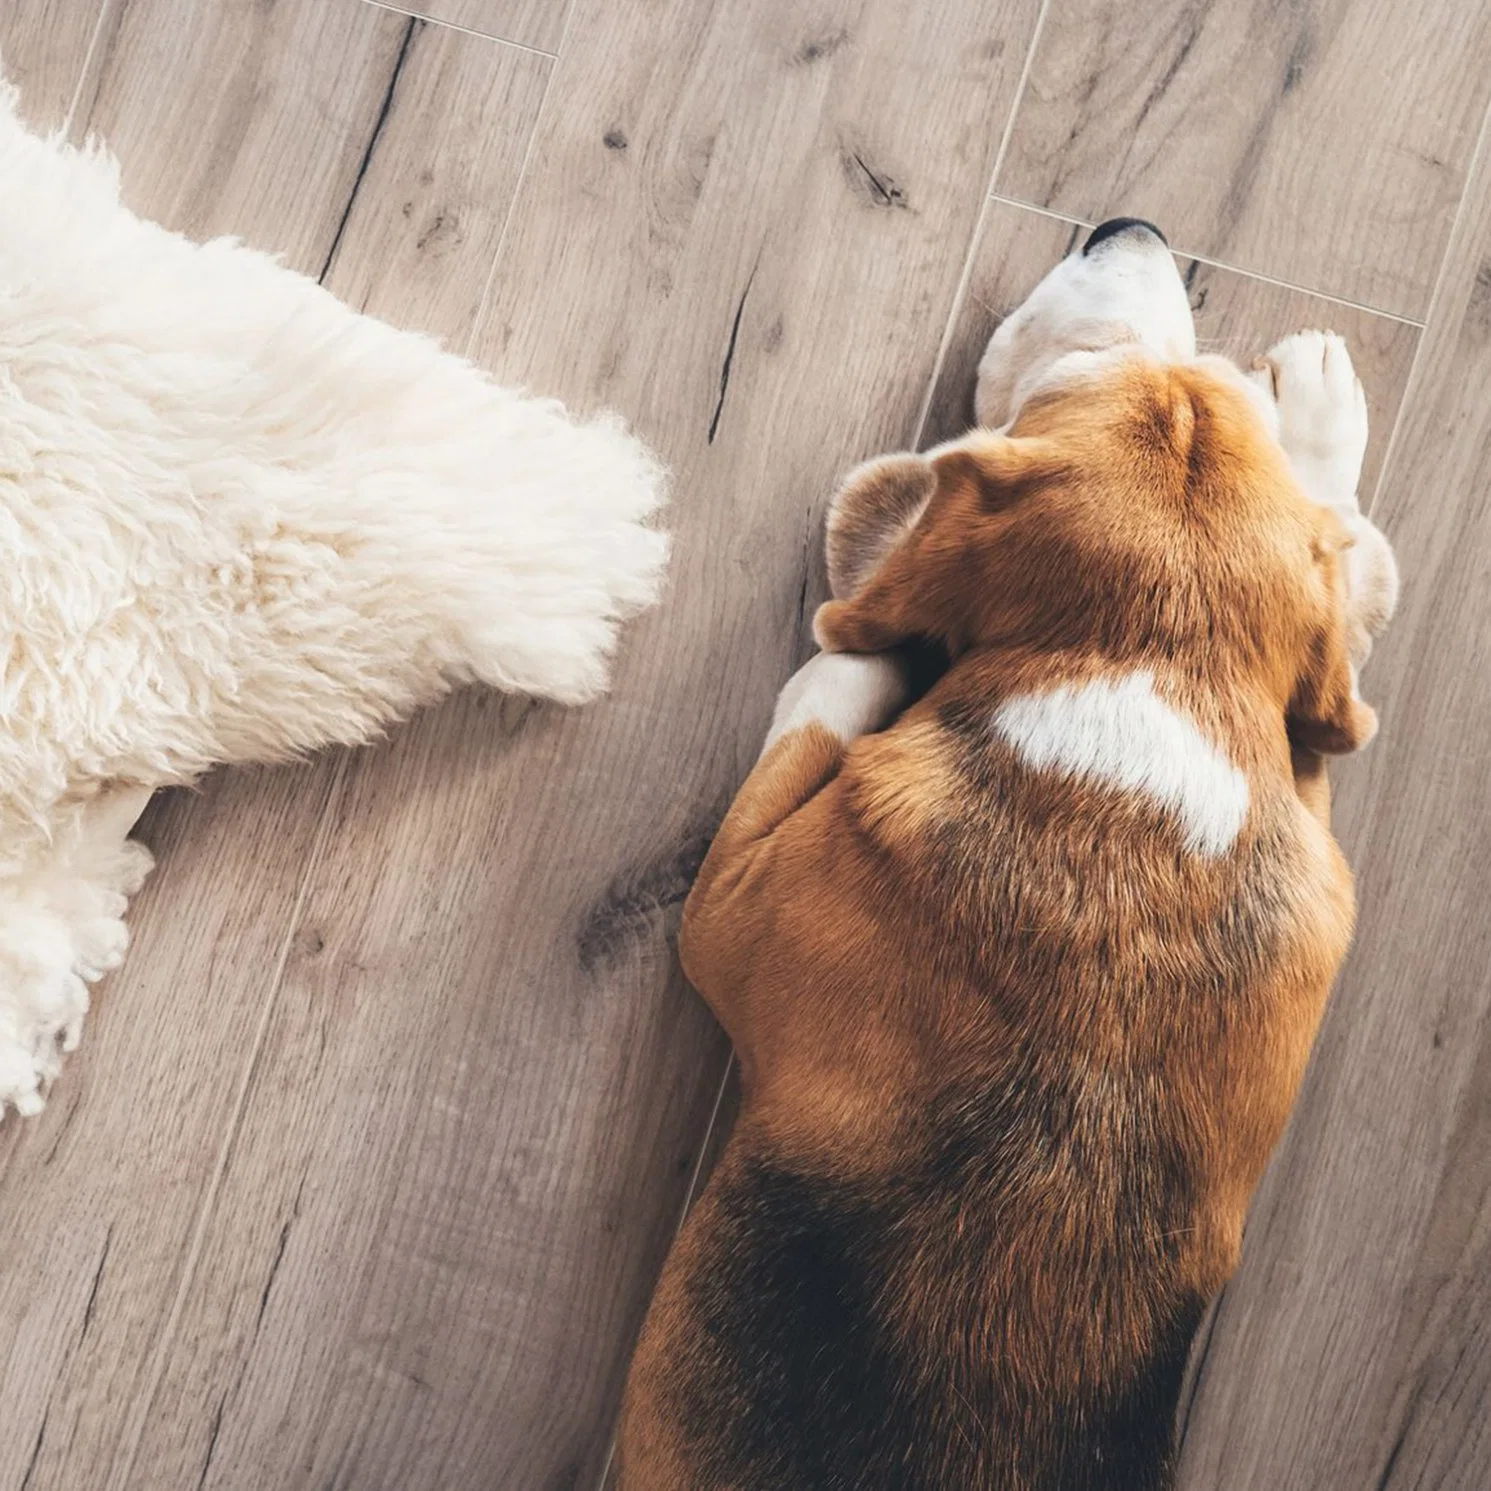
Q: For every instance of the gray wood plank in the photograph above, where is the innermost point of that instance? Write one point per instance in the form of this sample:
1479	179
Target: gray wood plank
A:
102	1193
43	47
274	110
1324	142
417	245
484	1082
424	228
530	23
1350	1350
243	118
1237	316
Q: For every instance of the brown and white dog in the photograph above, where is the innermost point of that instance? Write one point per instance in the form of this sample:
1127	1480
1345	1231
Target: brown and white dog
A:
1023	977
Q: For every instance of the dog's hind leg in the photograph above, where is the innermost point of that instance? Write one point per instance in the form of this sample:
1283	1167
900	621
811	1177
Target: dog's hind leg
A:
826	705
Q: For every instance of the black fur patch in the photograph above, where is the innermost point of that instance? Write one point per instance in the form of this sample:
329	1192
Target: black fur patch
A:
801	1387
803	1381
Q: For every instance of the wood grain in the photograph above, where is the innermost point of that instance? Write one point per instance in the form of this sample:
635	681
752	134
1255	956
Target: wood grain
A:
1324	142
43	49
103	1192
1237	316
117	1176
530	23
433	200
1351	1348
243	118
484	1082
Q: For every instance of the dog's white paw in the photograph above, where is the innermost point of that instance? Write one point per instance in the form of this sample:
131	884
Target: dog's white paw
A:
1322	413
850	693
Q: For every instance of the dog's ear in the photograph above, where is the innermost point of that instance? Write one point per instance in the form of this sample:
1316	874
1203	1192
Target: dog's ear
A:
911	547
877	557
876	506
1325	712
888	610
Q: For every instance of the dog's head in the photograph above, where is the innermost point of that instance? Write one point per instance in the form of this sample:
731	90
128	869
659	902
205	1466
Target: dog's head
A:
1135	506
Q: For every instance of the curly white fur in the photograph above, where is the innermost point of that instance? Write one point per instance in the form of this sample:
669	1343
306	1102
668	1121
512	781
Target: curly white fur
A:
240	522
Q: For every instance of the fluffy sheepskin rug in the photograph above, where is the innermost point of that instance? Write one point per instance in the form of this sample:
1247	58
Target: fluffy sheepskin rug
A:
239	522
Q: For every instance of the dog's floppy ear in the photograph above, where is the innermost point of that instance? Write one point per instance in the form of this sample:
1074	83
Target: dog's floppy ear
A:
885	562
876	506
914	546
887	611
1325	712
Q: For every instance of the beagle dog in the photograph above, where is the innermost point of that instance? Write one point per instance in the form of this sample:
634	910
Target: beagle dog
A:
1022	974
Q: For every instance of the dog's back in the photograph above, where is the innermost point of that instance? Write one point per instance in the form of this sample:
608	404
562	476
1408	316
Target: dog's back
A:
987	1273
1023	986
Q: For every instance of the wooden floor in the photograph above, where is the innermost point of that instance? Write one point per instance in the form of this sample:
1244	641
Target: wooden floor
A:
375	1146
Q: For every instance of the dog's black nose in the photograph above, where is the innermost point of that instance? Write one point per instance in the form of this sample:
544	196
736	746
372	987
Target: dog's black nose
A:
1116	225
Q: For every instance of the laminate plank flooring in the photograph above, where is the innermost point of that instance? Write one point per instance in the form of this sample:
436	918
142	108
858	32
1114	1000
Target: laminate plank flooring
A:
529	23
43	49
1324	142
1352	1347
373	1149
469	1135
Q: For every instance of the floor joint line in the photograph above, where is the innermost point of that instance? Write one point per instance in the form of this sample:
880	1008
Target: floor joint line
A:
1252	274
965	278
500	41
1410	385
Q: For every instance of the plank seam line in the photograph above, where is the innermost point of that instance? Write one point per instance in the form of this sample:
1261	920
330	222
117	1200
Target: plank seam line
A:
500	41
484	305
1251	274
691	1193
1415	368
135	1435
688	1201
65	129
966	277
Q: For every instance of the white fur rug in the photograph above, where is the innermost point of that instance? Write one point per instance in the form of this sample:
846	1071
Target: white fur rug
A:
239	522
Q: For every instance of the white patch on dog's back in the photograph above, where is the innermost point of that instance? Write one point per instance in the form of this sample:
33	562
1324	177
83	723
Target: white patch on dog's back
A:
1123	734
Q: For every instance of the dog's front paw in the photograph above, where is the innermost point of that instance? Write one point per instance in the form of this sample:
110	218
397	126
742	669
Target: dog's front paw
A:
849	693
1322	413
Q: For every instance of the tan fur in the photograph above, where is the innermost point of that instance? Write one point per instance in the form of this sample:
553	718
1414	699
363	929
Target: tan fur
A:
1012	1059
876	507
